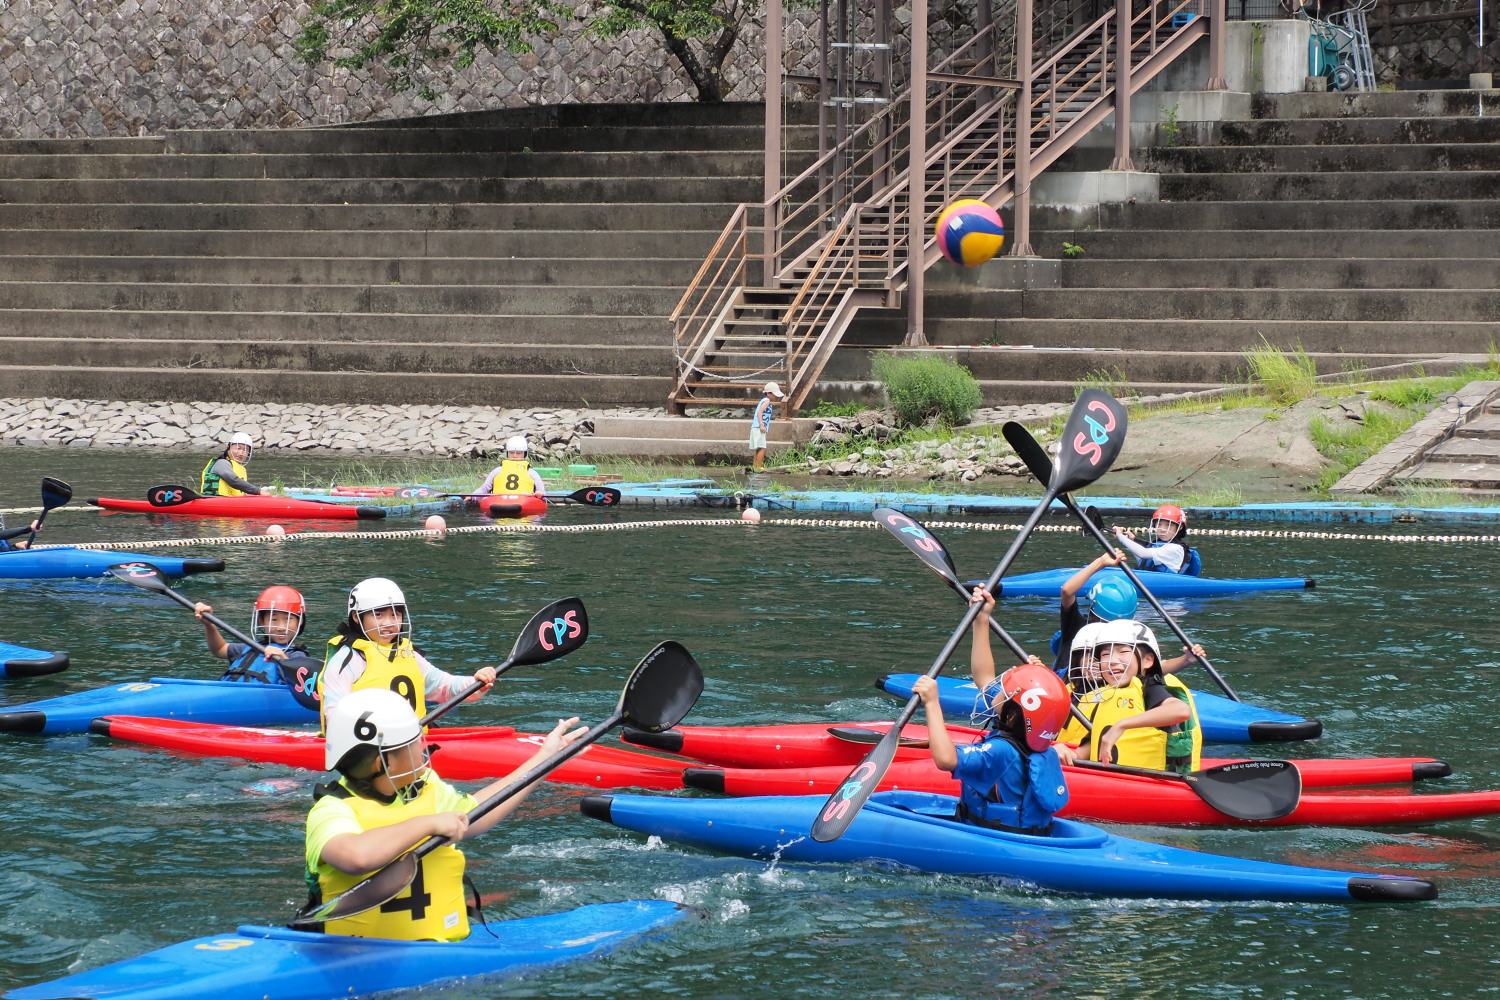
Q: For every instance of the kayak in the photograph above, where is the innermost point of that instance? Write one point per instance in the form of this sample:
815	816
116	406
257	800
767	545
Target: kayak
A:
23	661
257	962
807	745
1048	583
458	753
513	504
1124	798
245	703
914	830
68	561
268	508
1222	720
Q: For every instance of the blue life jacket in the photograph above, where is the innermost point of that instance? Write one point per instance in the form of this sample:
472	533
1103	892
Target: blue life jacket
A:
1191	565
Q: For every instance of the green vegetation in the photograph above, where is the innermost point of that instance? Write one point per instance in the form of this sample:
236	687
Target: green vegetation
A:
927	388
1171	129
1429	494
1216	496
1072	250
1111	380
828	408
1285	376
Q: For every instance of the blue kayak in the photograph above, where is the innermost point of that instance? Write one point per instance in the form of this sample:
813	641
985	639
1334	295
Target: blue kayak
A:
1048	583
23	661
256	962
67	561
1222	720
915	831
238	703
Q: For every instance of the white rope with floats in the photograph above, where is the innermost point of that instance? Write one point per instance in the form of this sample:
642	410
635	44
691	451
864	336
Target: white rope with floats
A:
788	522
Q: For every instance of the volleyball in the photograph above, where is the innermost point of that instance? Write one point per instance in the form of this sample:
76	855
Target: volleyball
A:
969	232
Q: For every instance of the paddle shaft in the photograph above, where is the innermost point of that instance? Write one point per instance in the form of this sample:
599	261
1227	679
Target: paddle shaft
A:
214	620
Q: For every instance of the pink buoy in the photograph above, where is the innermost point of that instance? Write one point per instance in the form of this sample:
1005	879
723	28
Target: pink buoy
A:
751	514
275	531
436	523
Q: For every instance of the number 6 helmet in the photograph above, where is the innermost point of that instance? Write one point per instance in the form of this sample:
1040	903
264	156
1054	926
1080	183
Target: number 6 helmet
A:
365	724
1042	699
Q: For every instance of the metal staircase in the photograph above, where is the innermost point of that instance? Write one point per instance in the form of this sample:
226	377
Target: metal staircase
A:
787	276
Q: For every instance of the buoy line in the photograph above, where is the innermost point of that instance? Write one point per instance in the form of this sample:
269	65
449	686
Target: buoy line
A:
529	528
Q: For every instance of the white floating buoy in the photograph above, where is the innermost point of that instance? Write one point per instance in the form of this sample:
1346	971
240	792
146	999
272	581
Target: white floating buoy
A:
275	531
751	514
436	523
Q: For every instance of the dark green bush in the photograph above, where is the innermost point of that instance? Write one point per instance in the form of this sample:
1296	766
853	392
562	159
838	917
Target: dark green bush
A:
923	388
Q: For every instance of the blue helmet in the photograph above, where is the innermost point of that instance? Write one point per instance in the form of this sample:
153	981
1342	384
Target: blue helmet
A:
1112	598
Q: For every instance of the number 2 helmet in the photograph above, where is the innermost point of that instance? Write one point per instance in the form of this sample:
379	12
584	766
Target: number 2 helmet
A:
1042	699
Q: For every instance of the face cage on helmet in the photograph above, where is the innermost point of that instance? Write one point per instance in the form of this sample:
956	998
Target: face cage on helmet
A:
407	789
1096	686
1176	526
405	632
982	714
258	629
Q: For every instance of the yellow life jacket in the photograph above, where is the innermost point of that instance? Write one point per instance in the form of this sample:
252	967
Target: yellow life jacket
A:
432	908
515	477
401	674
210	485
1144	746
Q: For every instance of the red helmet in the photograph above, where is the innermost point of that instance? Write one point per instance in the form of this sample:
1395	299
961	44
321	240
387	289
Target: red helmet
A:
277	599
1043	701
1169	512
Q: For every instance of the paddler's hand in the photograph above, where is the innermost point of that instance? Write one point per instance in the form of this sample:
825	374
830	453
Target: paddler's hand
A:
925	688
200	609
272	653
1122	533
561	735
1196	653
454	826
485	676
987	599
267	491
1107	745
1065	753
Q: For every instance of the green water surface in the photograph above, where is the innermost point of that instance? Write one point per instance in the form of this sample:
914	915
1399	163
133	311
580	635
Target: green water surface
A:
111	850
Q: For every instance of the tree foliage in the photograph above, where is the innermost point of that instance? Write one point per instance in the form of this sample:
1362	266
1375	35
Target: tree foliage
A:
418	40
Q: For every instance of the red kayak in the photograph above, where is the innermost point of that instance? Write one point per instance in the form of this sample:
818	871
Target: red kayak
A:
1121	798
513	504
458	753
266	508
819	745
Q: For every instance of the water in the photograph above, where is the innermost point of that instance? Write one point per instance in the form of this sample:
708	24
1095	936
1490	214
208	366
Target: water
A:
112	850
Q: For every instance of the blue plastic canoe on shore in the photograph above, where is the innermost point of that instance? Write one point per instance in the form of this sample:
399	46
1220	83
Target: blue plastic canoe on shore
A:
255	962
67	561
23	661
234	703
915	830
1048	582
1222	720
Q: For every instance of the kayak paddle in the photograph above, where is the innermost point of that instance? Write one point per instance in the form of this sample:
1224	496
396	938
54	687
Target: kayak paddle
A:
1243	789
553	632
661	689
299	671
1092	438
55	493
1040	465
593	496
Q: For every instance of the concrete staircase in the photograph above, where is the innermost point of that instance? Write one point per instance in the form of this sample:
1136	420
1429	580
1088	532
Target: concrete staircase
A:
690	439
1364	227
511	258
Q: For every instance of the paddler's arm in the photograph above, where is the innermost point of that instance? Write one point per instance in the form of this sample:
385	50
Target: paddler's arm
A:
939	743
981	657
225	471
562	734
370	850
217	647
1076	582
1169	713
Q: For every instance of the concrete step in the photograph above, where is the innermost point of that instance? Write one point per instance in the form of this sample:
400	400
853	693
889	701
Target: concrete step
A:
1013	392
322	355
1470	475
1380	104
1351	185
538	299
1212	334
685	449
1312	216
783	431
618	216
1372	131
1486	425
244	385
1307	159
1467	450
598	191
501	243
1470	273
331	166
1262	244
430	328
1216	303
572	271
123	146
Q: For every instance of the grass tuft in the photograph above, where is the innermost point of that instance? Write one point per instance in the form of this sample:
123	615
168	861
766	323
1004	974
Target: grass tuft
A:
1285	376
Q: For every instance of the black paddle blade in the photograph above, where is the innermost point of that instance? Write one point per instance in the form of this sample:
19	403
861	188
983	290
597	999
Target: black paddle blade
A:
596	496
662	689
383	886
921	541
301	675
1250	789
843	805
553	632
868	737
170	496
1091	441
1030	451
141	574
55	493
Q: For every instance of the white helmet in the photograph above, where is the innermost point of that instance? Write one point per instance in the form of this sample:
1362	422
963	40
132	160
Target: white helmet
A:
517	443
240	437
1121	632
1080	669
375	593
374	718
